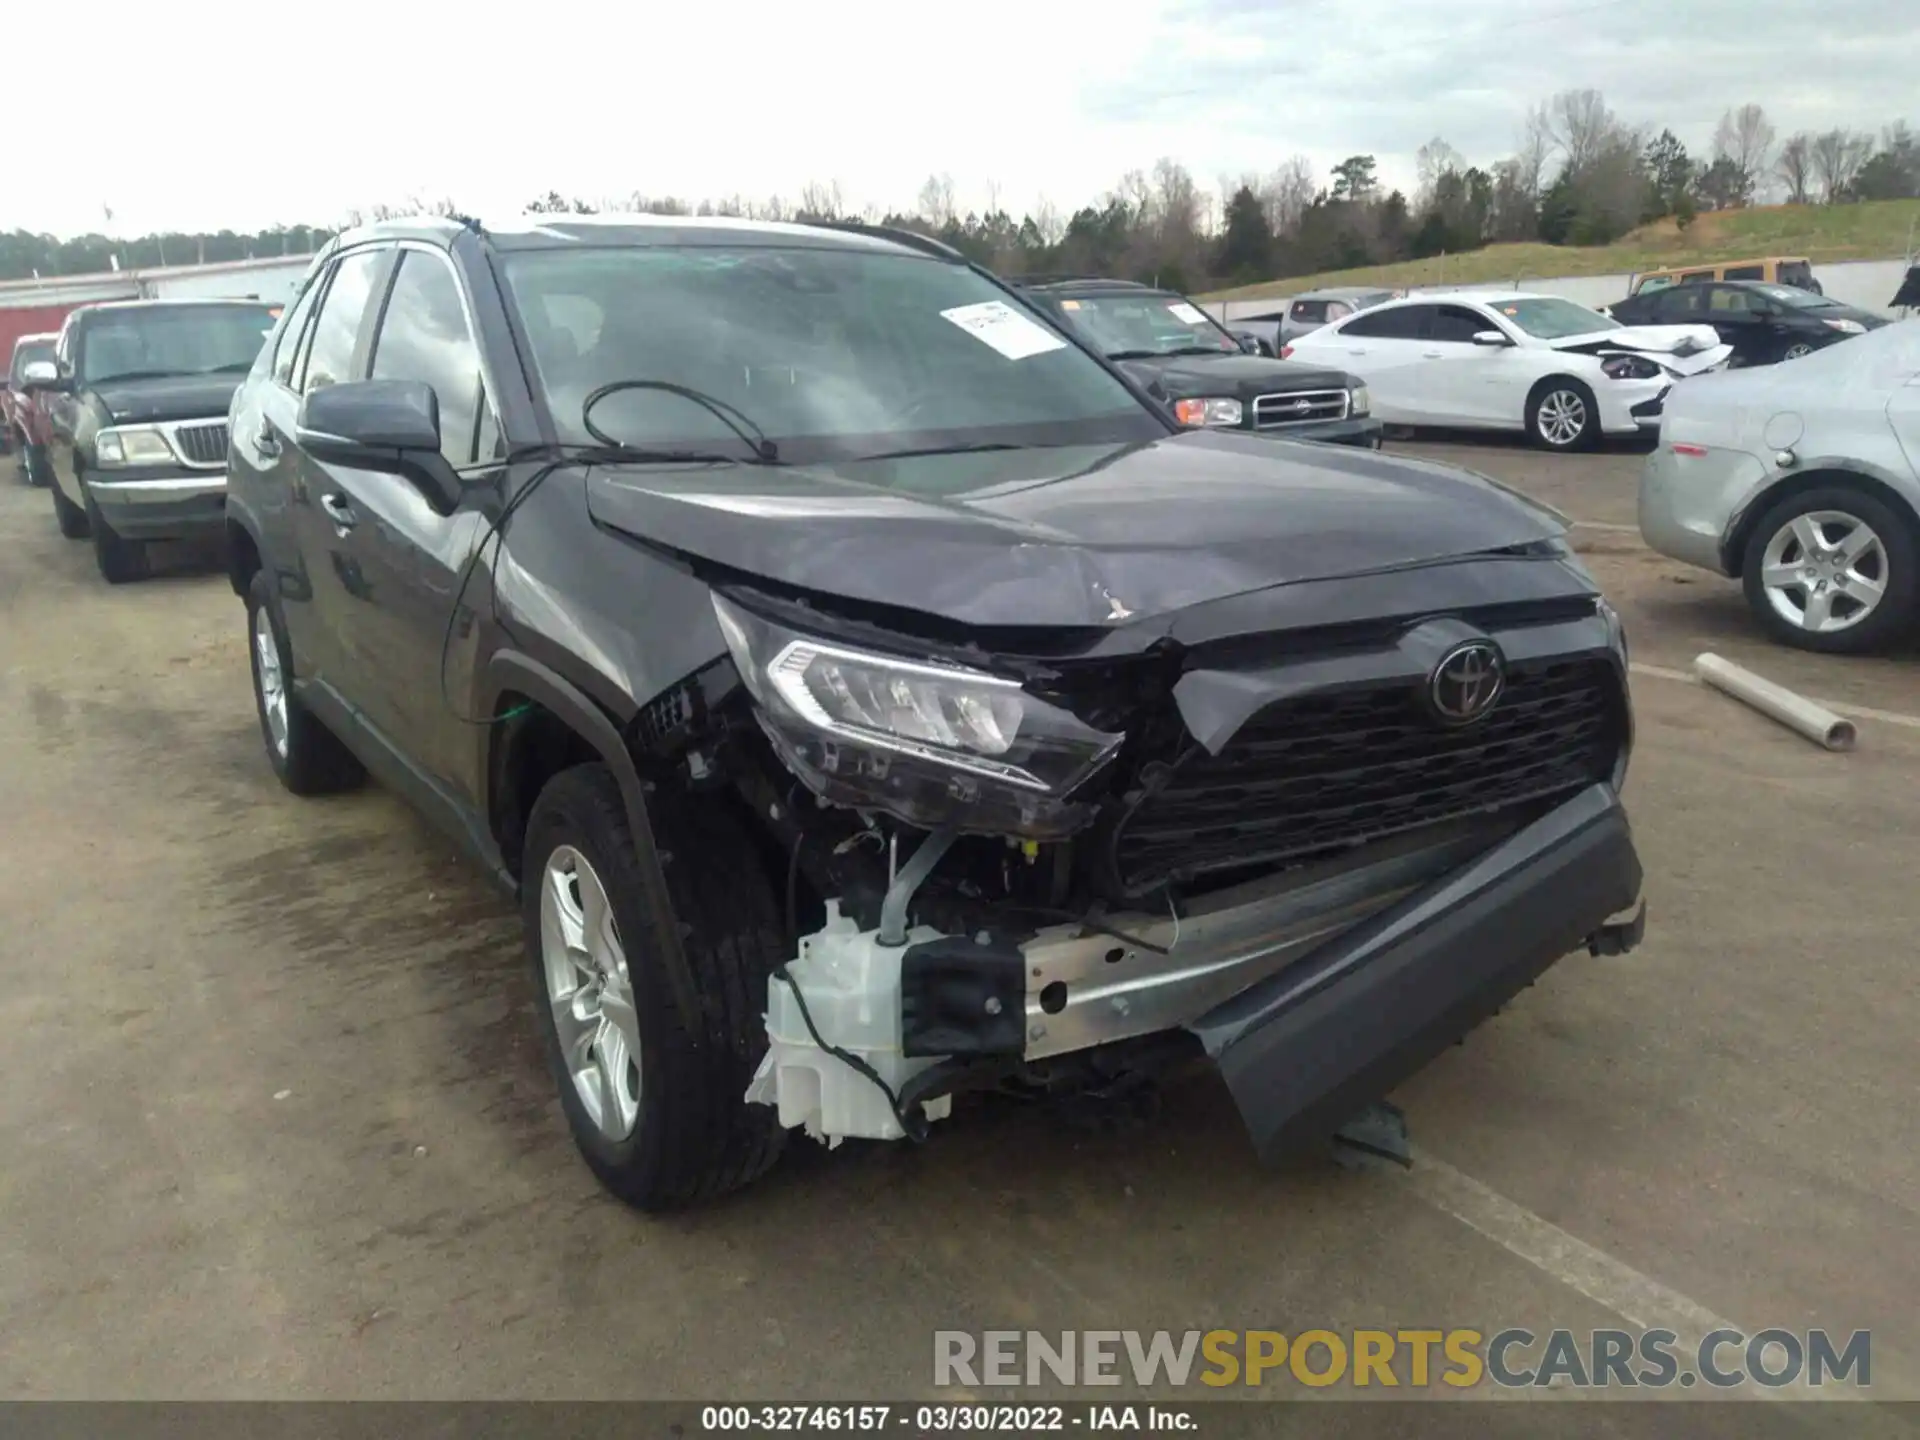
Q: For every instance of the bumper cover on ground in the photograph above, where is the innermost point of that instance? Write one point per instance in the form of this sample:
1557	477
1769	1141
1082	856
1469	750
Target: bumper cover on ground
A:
1305	1049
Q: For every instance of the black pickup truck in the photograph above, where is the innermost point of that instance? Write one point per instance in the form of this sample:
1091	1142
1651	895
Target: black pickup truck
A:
138	421
1208	375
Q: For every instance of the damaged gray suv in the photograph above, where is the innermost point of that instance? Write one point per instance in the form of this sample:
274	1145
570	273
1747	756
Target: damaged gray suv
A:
873	697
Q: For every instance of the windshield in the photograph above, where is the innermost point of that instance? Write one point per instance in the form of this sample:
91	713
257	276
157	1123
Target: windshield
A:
1145	323
174	340
1551	319
829	353
27	353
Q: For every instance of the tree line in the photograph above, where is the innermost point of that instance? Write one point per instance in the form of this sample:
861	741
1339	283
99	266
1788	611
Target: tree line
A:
1579	175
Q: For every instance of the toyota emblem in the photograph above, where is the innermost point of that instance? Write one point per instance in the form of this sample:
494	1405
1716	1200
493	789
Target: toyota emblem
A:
1466	682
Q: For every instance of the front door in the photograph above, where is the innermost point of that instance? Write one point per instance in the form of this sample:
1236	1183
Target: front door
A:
401	559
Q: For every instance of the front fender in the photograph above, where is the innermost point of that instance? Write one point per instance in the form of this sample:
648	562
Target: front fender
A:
511	671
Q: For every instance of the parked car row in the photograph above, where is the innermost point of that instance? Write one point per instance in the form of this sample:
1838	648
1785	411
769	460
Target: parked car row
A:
866	683
1562	373
129	414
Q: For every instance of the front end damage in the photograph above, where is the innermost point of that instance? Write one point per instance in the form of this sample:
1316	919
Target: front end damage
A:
1316	855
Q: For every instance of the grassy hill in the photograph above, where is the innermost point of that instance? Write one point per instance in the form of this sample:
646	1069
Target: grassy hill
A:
1877	230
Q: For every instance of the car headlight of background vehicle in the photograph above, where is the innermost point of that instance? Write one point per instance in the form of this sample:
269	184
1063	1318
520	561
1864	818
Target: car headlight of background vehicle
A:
1629	367
931	743
131	445
1845	327
1358	401
1211	411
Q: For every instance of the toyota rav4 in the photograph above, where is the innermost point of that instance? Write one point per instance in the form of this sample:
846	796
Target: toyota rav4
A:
872	697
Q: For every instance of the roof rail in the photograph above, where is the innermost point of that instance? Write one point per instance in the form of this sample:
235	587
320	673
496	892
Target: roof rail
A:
913	239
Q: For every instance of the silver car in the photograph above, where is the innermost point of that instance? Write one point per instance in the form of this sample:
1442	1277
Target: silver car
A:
1802	481
1321	307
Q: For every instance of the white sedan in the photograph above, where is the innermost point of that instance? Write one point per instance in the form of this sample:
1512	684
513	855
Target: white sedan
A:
1563	373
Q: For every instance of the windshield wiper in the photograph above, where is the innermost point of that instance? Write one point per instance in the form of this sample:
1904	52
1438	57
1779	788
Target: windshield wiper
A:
622	454
939	450
765	452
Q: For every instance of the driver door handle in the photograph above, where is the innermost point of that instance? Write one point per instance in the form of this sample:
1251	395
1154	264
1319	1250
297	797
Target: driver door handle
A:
339	511
1433	354
266	442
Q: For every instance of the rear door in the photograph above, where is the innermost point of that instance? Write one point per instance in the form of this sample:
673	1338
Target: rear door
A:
405	558
1381	347
1904	413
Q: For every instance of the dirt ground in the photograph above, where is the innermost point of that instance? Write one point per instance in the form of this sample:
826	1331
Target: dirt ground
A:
274	1123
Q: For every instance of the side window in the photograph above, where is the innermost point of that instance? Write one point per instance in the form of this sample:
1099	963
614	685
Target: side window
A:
287	350
1310	312
1724	299
1398	324
1337	311
1456	325
1681	303
1653	285
337	326
1696	277
1745	272
424	336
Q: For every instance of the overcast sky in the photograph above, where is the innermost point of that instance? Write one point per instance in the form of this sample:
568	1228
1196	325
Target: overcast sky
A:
206	114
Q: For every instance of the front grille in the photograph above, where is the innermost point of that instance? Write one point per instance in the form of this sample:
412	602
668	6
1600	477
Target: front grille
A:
1322	773
1299	407
202	444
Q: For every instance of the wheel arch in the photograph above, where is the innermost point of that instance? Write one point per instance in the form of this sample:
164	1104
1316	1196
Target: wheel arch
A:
1733	545
243	557
540	720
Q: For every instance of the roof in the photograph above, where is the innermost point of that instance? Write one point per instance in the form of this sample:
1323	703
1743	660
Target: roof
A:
180	302
556	231
44	337
1341	292
1723	264
1088	285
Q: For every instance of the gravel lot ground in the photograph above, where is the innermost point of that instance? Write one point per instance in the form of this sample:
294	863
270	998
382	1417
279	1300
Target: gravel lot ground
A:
274	1123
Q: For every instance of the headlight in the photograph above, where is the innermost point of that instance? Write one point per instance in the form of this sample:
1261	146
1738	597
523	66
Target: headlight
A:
132	445
1208	412
1358	401
1628	367
934	744
1845	327
1616	627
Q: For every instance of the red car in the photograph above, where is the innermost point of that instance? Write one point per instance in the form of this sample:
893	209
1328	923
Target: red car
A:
23	413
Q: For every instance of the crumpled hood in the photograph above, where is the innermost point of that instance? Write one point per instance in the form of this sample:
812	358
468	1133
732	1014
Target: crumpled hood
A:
1074	536
176	397
1232	374
1683	349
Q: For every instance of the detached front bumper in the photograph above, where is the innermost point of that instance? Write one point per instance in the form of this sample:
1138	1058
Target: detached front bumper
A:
1306	1048
160	502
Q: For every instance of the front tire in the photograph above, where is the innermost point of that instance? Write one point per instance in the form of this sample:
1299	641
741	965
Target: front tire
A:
71	519
1563	416
1833	570
655	1098
1796	350
120	561
306	757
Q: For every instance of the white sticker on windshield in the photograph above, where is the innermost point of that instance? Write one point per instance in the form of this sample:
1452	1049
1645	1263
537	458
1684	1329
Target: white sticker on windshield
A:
1187	314
995	323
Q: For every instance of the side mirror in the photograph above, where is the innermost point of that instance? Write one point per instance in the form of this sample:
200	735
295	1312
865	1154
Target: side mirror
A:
40	375
389	426
1252	343
1490	337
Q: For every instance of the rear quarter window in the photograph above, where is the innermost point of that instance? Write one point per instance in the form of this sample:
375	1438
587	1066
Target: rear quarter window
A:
1745	272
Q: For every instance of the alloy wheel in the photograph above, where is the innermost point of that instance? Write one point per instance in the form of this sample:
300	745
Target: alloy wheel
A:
590	992
271	679
1824	571
1796	350
1561	418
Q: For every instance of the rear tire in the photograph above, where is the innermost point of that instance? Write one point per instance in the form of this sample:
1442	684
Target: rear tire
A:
1563	416
307	757
71	519
121	561
1781	593
669	1127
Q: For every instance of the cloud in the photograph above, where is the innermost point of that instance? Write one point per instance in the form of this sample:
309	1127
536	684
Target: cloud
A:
299	115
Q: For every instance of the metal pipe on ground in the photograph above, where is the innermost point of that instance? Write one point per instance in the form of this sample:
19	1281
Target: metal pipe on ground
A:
1796	712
